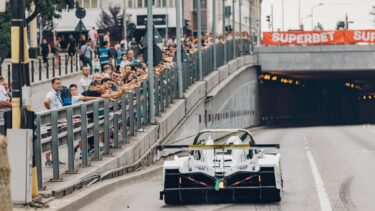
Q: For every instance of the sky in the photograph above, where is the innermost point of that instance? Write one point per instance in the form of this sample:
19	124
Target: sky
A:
328	14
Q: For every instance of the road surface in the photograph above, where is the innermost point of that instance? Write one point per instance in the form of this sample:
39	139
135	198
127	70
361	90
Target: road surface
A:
324	168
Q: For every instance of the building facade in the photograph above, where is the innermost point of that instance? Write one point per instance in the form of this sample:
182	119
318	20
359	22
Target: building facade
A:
164	13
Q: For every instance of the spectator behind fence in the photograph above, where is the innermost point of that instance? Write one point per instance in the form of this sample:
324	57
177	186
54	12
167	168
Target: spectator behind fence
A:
107	37
86	53
57	52
53	100
105	55
45	49
118	56
93	36
5	104
85	80
72	48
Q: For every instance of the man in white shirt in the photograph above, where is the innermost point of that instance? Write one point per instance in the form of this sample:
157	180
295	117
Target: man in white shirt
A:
53	100
5	104
85	80
93	34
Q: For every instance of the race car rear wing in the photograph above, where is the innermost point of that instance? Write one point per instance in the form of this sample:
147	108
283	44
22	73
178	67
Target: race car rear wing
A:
218	146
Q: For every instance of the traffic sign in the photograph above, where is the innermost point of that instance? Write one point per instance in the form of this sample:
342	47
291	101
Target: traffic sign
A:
80	13
80	26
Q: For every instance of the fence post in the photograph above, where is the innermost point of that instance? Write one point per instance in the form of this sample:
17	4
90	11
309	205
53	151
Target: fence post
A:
157	96
55	147
40	69
124	124
106	127
71	64
66	64
77	61
53	67
47	70
84	134
70	141
1	70
32	71
131	113
162	108
138	109
115	124
96	131
145	109
59	58
37	150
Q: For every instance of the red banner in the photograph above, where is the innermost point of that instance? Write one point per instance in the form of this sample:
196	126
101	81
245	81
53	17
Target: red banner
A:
319	37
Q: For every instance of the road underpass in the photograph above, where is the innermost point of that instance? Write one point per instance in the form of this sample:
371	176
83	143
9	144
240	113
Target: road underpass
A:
316	98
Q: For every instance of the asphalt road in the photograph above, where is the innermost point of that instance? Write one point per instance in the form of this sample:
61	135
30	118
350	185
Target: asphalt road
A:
324	168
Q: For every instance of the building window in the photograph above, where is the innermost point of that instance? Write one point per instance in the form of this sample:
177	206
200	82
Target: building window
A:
140	3
171	3
130	3
87	4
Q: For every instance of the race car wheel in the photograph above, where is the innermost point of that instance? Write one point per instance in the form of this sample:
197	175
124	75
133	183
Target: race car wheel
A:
272	196
172	199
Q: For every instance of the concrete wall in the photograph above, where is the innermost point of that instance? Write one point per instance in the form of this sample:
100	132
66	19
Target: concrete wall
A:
317	58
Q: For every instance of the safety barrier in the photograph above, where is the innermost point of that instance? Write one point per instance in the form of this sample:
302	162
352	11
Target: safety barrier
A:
112	122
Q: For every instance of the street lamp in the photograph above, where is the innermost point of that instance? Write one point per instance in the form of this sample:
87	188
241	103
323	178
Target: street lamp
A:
312	14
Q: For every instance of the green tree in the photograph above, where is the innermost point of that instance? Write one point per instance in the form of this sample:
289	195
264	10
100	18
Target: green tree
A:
49	9
112	21
5	29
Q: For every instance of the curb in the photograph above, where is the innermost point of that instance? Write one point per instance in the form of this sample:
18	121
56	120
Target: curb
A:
83	198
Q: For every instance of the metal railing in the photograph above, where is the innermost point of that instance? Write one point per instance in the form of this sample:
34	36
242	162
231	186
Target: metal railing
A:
112	122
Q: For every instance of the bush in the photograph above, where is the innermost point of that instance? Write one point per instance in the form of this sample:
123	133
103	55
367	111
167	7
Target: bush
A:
34	52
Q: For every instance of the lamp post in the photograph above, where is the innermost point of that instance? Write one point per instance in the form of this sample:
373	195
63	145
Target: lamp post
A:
224	33
234	31
250	33
214	30
150	56
179	48
312	14
199	13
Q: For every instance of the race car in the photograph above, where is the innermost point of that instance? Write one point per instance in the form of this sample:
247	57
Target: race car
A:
222	166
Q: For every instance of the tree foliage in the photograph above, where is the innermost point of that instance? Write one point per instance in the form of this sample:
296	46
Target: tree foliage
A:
5	29
49	9
112	21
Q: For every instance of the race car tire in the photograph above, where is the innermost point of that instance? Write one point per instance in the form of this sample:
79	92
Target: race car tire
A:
272	196
172	199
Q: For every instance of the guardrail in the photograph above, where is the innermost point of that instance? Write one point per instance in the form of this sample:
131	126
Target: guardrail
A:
117	120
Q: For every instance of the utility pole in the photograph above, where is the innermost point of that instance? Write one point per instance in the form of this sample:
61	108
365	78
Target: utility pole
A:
250	28
272	18
214	30
199	13
233	30
179	48
299	15
166	23
224	33
150	56
124	21
240	11
282	11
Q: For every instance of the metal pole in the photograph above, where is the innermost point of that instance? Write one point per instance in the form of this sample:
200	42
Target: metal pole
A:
234	29
214	30
125	33
240	11
150	61
179	48
199	12
299	14
272	17
282	10
166	23
250	29
224	34
312	18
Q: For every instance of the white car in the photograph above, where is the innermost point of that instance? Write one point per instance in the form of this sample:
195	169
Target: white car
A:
237	171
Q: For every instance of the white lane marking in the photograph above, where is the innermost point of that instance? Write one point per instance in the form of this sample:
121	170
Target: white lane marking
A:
325	204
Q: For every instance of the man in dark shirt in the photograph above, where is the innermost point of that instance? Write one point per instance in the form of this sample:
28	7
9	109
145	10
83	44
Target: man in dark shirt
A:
72	48
95	90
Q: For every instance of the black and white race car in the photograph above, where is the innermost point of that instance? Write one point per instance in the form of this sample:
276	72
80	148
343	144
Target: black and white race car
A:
238	170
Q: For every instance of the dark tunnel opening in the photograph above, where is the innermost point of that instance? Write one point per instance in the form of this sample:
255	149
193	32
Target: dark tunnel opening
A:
310	99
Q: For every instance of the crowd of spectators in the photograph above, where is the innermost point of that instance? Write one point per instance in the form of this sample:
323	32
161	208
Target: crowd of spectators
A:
115	67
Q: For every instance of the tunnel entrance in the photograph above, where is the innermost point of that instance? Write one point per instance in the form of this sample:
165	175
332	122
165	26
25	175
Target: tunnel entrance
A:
317	98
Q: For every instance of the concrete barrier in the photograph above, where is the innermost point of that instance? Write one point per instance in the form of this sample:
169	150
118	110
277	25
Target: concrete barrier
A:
212	80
